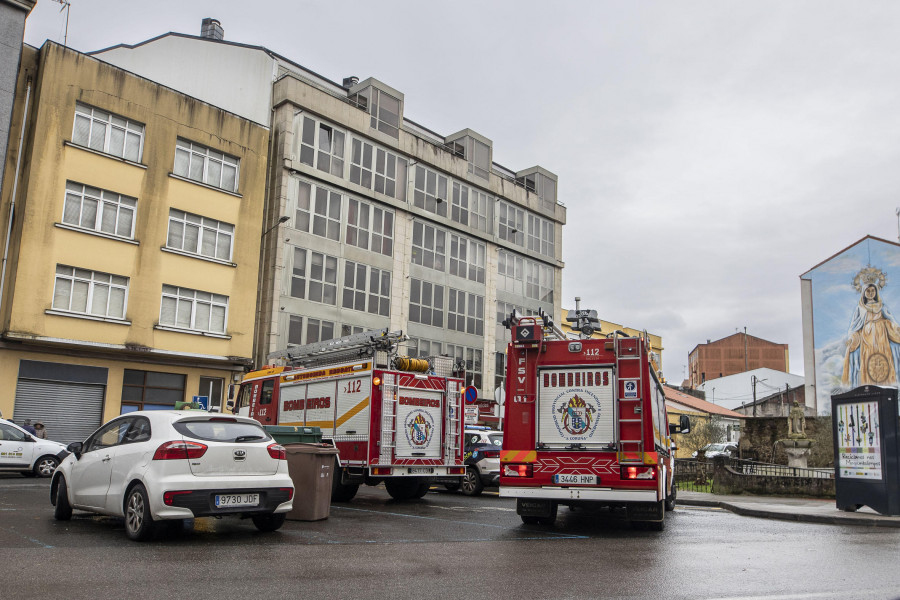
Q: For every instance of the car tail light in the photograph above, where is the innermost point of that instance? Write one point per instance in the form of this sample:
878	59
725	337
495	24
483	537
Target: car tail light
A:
514	470
638	472
491	453
381	471
277	451
179	450
290	492
222	420
169	497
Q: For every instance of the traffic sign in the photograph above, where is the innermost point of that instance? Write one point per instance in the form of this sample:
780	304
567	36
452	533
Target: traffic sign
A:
470	394
202	402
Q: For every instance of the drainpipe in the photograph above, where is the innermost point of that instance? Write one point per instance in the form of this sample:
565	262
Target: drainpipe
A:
12	202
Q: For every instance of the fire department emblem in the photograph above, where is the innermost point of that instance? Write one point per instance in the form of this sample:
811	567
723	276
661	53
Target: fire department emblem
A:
576	417
419	427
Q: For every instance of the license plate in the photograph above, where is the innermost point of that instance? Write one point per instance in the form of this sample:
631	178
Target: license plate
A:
421	470
575	479
229	500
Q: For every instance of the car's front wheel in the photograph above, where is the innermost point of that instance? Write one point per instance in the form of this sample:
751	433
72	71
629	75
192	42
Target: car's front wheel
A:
45	466
139	523
269	521
62	511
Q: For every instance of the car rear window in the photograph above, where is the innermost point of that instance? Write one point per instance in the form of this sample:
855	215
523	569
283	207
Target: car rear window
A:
222	430
496	439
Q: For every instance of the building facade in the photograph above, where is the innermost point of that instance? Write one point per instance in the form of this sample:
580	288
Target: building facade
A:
734	354
733	391
374	220
132	274
12	16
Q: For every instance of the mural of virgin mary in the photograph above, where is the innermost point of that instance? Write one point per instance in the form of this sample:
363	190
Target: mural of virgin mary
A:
873	340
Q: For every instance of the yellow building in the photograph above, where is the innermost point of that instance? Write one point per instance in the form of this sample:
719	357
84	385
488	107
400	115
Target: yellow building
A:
132	221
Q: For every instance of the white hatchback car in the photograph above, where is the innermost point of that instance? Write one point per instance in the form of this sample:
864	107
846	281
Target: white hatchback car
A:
150	466
20	451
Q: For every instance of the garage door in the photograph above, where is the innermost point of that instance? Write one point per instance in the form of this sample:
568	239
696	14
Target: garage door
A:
69	411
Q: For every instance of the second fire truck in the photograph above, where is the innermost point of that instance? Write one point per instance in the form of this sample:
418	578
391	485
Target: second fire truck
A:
585	424
392	418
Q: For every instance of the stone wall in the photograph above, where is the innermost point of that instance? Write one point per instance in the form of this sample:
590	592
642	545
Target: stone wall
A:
759	437
728	481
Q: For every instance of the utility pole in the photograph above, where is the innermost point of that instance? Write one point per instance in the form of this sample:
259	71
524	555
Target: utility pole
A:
753	380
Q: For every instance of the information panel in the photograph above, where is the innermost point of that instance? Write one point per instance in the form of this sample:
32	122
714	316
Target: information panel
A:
859	440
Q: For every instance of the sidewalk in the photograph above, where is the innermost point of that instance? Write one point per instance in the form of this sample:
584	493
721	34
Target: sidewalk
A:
807	510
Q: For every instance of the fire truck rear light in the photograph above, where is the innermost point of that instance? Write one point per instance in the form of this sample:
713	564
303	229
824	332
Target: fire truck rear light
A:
169	497
456	471
638	472
181	449
381	471
514	470
277	451
376	381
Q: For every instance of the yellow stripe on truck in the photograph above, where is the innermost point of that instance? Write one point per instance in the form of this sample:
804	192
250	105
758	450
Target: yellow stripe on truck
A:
341	420
518	456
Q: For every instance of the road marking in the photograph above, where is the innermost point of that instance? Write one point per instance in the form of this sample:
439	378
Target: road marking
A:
30	539
701	508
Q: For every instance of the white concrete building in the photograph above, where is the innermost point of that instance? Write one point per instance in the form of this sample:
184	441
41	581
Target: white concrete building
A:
385	222
734	390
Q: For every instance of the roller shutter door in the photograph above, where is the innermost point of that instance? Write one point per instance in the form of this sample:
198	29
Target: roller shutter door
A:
70	411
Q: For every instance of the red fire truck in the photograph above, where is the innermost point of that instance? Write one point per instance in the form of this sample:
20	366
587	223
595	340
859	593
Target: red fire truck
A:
392	418
585	424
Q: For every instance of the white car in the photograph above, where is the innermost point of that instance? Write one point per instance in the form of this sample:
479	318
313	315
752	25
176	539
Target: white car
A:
151	466
20	451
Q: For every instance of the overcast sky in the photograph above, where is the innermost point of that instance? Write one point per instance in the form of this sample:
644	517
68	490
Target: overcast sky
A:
708	152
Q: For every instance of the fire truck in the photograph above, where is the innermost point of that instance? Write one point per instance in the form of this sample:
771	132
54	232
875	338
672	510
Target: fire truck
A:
392	418
585	424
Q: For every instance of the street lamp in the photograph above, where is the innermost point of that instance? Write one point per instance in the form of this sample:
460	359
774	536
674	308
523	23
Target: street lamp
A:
280	220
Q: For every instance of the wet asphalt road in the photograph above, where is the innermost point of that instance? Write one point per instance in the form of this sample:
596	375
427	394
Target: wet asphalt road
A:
444	546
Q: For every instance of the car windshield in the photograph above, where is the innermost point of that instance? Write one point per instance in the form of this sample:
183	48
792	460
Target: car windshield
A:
716	447
496	439
222	430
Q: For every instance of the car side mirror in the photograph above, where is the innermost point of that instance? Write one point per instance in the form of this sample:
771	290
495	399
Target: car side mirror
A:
683	425
229	406
75	448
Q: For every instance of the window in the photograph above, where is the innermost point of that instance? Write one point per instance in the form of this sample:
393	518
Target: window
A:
321	216
151	390
106	132
314	276
206	165
511	271
542	185
430	191
367	289
361	163
538	281
318	330
541	235
90	292
426	303
322	147
428	246
192	309
465	312
295	330
500	371
199	235
471	358
459	210
99	210
467	258
479	207
419	348
347	329
479	155
385	111
511	224
390	175
370	227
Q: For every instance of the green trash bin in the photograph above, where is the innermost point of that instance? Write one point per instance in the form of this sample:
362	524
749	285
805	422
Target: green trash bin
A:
311	467
291	434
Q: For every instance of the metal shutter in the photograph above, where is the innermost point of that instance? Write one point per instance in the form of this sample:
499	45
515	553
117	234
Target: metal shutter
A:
69	411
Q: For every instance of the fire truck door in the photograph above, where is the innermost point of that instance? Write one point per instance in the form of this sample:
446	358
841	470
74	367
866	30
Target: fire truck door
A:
266	407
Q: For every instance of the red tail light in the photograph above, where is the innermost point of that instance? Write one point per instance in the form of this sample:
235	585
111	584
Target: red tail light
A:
180	450
638	472
169	497
290	492
513	470
491	454
277	451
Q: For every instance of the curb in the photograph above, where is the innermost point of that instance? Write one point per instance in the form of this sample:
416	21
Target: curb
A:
839	519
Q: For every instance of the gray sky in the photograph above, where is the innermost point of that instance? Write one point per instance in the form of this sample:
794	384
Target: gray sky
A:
708	152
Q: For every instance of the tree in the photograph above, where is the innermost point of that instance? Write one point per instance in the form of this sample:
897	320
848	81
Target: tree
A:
704	430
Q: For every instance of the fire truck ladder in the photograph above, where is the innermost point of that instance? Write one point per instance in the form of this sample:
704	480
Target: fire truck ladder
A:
377	343
632	451
451	427
390	390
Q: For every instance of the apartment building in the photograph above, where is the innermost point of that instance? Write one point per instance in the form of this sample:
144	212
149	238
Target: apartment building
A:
373	220
132	269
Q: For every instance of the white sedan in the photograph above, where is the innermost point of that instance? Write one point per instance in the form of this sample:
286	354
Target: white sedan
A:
150	466
20	451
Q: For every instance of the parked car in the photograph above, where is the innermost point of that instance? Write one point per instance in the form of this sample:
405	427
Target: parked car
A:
482	458
152	466
31	456
728	449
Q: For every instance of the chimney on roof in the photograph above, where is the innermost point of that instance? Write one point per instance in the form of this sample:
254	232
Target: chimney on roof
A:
211	29
349	82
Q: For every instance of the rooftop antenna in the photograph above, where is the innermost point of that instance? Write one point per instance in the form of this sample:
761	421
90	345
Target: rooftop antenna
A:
65	6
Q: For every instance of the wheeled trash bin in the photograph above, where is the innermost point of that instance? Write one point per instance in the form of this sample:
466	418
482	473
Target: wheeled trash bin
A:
311	467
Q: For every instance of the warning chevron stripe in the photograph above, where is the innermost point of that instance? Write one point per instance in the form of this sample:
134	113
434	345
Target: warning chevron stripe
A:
518	456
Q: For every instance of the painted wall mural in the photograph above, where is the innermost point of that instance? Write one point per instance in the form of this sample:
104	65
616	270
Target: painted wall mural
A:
857	336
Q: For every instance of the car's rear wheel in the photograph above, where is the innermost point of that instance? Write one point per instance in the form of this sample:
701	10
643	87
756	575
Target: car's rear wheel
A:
139	523
46	466
63	510
269	521
471	483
